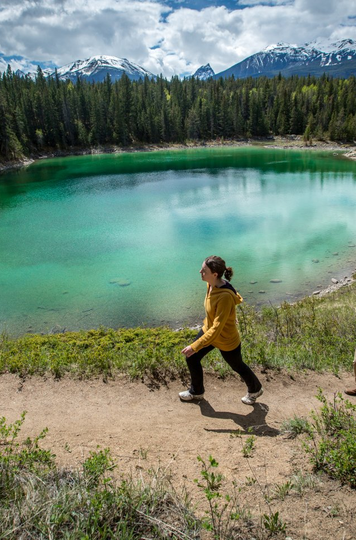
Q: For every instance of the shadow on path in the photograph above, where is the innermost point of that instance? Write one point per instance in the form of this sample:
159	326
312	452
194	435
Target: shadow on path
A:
253	422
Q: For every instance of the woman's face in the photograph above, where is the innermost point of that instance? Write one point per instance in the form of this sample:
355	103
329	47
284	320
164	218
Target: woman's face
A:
206	274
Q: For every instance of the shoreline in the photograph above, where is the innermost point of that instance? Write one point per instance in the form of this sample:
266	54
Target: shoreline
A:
291	142
194	324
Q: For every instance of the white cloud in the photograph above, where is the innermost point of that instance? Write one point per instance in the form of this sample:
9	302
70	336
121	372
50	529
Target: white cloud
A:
210	35
245	3
330	8
164	39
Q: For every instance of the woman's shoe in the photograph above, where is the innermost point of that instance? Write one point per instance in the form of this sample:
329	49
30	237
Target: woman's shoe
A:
251	397
188	396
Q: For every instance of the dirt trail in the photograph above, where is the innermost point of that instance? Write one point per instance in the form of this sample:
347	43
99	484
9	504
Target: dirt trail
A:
146	428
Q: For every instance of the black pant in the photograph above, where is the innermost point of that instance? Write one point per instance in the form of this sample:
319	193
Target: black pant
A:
233	358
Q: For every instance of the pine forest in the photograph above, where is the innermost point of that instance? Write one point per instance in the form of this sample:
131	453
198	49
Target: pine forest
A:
41	115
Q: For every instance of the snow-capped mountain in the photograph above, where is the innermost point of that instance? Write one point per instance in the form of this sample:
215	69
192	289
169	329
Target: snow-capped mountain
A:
204	72
315	58
96	69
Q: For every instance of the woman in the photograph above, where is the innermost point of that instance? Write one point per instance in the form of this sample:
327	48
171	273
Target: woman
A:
352	391
219	330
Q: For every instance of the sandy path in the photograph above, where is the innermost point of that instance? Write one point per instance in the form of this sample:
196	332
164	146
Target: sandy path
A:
134	421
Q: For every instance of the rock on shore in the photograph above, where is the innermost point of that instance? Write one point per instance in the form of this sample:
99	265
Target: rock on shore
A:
335	285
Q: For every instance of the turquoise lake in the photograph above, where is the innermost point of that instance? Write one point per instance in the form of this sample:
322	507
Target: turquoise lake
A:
118	240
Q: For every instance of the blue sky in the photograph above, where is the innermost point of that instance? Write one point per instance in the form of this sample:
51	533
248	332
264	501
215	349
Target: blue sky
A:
172	37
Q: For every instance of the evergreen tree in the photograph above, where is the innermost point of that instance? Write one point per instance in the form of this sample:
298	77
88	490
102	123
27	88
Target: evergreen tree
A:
10	147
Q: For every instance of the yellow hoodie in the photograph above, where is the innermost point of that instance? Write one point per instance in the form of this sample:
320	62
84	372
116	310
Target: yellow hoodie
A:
220	327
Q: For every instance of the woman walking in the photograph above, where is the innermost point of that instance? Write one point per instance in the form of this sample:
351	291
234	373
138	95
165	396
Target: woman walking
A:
220	331
352	391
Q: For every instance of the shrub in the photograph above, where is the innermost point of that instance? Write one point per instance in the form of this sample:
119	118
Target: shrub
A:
332	446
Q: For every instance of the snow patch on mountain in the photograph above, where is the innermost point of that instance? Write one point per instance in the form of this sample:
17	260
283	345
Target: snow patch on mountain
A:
204	72
329	46
319	49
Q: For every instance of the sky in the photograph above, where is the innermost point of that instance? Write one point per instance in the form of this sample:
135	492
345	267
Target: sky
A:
168	37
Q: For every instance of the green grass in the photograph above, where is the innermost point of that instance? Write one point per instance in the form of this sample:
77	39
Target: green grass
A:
103	352
314	334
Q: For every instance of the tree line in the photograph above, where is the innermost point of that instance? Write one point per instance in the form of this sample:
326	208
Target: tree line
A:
42	115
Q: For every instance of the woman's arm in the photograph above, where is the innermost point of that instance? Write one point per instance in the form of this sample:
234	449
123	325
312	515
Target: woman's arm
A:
188	351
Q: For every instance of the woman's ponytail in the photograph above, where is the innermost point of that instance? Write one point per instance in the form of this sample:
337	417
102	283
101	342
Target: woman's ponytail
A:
228	273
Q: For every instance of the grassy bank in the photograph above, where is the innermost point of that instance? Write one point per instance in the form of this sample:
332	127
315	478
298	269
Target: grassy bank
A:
314	333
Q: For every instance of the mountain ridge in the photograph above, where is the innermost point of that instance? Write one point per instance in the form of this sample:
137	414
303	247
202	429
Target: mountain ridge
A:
93	69
336	58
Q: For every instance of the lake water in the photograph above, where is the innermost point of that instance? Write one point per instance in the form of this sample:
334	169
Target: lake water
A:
118	240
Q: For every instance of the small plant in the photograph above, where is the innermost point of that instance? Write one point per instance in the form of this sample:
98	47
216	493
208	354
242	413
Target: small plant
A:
273	523
237	433
334	511
96	465
250	481
280	491
301	482
143	452
16	456
295	426
249	446
222	509
211	487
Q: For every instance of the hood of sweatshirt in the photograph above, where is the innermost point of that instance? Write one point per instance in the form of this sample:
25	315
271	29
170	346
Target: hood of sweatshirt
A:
224	290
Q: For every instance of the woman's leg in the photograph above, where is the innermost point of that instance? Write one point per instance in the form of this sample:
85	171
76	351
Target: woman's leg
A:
234	359
195	368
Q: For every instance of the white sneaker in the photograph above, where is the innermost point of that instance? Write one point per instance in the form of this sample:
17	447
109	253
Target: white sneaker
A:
250	397
187	396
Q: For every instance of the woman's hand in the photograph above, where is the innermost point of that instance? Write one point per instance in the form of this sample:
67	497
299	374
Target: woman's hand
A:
188	351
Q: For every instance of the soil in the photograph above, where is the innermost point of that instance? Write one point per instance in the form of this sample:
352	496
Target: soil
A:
150	429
